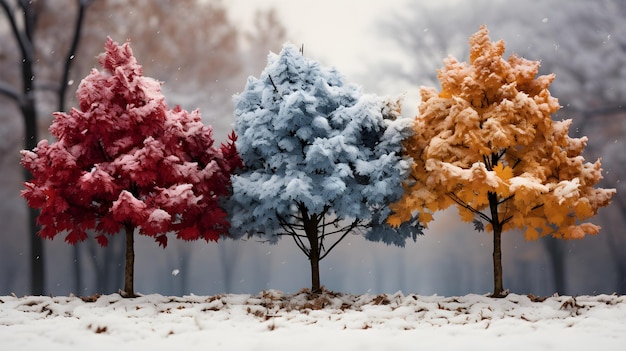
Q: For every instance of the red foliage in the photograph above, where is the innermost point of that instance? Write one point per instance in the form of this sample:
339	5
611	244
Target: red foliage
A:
126	158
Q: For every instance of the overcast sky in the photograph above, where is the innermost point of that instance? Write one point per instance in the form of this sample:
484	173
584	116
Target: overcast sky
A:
339	33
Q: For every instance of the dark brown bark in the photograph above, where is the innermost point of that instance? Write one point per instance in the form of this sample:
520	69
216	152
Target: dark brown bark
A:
311	230
498	290
316	286
129	276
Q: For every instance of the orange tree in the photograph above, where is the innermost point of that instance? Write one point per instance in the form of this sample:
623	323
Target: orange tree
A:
488	145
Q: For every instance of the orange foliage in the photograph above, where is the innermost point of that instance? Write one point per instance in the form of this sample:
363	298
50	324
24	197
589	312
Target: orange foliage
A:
487	138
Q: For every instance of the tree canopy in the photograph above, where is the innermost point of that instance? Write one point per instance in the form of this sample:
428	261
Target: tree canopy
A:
487	144
321	158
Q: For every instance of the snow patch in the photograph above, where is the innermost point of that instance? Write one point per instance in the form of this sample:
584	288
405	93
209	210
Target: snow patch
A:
272	320
567	189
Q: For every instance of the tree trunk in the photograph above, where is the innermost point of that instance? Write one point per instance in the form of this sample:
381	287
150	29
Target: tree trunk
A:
310	228
314	259
37	275
621	280
78	282
619	258
25	40
556	255
228	255
63	84
498	290
31	138
129	290
26	101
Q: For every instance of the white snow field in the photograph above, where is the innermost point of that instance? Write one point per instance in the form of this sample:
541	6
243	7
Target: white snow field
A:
275	321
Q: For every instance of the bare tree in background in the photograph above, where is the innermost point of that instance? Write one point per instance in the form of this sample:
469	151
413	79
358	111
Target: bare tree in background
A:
24	18
428	32
192	46
584	43
203	60
267	34
201	54
615	153
196	58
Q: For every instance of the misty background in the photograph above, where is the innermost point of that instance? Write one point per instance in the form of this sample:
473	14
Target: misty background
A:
203	51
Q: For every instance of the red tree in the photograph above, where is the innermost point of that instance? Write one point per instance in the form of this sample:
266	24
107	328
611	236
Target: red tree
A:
127	161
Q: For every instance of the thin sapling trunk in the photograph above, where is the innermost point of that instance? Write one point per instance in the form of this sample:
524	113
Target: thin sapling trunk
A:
129	277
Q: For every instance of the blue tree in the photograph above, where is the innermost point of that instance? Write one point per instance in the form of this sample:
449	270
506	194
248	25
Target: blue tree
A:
322	160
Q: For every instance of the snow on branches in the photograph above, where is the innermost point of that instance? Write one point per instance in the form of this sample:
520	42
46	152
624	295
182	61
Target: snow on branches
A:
488	145
126	158
307	137
320	157
490	131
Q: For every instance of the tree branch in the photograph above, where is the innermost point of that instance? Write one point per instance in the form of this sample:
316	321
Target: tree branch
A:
301	246
323	234
487	162
507	220
9	92
536	207
297	238
30	20
517	162
290	233
274	85
23	41
334	222
466	206
82	6
506	199
347	227
350	228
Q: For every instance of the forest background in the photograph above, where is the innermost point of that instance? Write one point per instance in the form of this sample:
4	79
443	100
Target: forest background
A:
204	51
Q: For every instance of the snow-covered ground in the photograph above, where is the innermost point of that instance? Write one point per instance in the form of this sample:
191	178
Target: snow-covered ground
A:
275	321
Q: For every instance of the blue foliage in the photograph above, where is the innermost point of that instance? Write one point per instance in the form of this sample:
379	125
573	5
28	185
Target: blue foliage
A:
307	138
